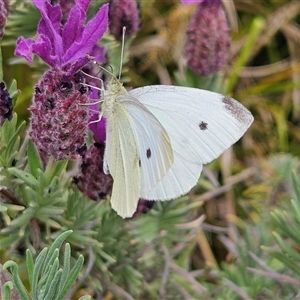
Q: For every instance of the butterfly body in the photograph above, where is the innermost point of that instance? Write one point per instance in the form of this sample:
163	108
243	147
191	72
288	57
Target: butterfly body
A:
159	137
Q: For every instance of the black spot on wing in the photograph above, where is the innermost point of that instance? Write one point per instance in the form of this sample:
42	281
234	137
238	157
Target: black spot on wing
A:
140	164
203	125
148	153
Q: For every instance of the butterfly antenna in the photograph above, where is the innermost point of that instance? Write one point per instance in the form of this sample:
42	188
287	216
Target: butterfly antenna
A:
122	52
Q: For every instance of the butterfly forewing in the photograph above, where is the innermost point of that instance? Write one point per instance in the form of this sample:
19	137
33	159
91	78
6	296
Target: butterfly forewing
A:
201	126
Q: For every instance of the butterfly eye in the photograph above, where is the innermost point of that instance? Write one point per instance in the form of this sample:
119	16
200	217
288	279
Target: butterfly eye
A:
148	153
203	125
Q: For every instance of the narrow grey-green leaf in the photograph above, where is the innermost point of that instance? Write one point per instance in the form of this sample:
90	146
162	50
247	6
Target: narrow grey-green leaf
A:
53	287
8	286
296	184
34	160
25	176
51	275
66	266
72	277
58	241
16	279
49	261
37	268
30	266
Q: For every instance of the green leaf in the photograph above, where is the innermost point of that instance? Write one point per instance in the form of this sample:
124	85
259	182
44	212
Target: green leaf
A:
49	261
53	169
286	248
85	298
72	277
53	287
282	127
13	91
289	263
34	161
296	184
12	137
36	272
58	242
22	220
255	29
66	266
16	279
50	278
26	177
9	128
30	266
9	241
8	286
296	208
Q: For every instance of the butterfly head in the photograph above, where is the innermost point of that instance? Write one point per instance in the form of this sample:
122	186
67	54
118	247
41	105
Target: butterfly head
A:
115	87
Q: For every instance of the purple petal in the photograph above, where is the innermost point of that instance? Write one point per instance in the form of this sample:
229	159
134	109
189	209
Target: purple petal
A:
24	48
84	4
50	26
74	66
74	26
42	47
98	129
93	31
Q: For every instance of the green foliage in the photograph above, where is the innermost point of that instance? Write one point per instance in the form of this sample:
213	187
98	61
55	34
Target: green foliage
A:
272	271
47	279
231	246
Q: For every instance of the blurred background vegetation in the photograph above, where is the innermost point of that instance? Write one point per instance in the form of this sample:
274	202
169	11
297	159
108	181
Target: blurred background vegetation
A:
235	235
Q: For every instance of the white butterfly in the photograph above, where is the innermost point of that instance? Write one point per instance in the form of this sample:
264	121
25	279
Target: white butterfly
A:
158	138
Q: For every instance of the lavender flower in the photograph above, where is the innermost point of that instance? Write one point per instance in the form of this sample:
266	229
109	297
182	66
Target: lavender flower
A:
59	118
59	112
3	15
91	180
123	13
208	39
5	104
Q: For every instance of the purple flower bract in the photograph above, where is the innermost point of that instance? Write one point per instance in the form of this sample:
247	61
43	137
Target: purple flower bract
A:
65	46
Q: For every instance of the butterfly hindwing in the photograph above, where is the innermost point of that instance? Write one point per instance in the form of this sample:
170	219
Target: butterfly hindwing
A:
121	160
152	140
